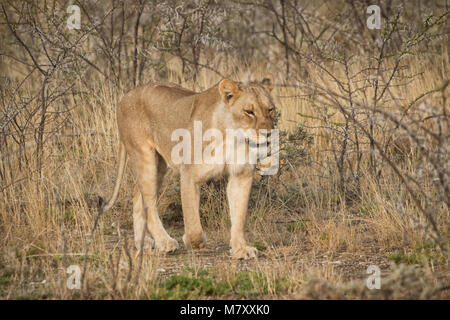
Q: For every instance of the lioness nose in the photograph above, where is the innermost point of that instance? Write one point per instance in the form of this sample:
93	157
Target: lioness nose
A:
268	124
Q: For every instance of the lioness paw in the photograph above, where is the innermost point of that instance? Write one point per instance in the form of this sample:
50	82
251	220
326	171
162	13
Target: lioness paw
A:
245	252
195	242
167	245
149	243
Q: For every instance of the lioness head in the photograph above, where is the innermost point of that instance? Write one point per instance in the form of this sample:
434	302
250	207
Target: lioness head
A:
251	105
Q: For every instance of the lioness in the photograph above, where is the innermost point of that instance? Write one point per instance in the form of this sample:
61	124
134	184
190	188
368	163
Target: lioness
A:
147	116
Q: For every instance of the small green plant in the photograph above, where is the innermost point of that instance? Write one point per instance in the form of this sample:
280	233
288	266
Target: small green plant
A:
244	284
254	284
297	226
188	287
401	257
421	254
294	147
70	215
260	245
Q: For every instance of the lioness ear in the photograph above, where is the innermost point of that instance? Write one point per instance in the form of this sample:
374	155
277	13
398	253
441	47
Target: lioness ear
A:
228	90
267	83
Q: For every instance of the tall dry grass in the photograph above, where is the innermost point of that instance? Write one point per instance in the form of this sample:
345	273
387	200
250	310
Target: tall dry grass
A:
307	231
315	237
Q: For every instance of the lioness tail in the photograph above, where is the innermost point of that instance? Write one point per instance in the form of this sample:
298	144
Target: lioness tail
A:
103	207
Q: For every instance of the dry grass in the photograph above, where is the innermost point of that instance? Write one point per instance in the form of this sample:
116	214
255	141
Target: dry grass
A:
313	242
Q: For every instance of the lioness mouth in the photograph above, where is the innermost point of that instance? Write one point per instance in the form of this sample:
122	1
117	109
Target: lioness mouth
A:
260	146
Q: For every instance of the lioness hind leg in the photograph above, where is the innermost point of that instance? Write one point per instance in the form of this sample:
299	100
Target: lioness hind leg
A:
140	225
146	167
139	222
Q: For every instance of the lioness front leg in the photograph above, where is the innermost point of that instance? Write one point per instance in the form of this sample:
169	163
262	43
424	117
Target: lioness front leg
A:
193	238
238	193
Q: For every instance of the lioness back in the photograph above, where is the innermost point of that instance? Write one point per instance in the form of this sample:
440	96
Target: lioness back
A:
163	107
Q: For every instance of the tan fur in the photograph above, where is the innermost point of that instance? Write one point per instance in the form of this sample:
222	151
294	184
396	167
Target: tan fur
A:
146	118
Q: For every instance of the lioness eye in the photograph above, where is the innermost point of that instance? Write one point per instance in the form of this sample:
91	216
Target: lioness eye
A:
249	112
